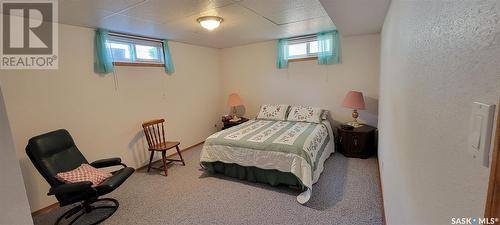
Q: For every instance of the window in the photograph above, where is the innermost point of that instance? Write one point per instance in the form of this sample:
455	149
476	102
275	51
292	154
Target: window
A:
304	47
323	46
128	50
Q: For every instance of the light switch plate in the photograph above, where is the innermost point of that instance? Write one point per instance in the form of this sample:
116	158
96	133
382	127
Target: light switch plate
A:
481	125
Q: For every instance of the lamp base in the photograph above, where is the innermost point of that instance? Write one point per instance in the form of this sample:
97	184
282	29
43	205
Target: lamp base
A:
235	119
355	124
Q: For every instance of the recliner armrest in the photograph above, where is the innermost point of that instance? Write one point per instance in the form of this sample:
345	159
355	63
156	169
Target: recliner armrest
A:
69	188
107	163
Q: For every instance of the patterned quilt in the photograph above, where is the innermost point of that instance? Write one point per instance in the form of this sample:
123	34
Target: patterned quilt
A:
288	146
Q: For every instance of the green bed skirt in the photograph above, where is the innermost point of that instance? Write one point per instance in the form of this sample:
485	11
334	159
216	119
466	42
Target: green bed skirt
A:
254	174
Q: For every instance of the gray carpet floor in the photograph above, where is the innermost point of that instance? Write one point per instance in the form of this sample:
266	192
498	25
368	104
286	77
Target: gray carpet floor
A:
347	192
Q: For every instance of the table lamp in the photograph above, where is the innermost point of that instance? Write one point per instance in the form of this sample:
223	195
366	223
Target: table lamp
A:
354	100
233	101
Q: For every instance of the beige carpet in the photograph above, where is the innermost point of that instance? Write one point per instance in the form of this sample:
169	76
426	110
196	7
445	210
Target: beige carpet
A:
347	192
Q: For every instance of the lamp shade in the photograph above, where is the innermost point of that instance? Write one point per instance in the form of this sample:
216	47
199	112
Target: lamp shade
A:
234	100
354	100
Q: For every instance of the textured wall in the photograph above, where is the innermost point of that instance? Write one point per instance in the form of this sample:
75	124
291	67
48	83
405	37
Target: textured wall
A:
105	117
250	70
437	57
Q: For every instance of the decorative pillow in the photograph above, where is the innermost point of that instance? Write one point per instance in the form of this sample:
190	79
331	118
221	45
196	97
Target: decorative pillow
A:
325	115
273	112
85	172
305	114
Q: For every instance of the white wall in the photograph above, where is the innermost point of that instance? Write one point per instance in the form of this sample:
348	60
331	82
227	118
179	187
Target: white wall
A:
437	57
14	206
105	120
250	71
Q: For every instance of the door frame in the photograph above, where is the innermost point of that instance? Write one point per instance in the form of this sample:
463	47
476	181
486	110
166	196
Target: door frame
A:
492	208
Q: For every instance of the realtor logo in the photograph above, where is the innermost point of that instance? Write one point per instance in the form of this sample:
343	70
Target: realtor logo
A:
29	35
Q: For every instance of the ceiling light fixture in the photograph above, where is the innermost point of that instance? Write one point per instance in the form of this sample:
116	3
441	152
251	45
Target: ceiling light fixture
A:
210	22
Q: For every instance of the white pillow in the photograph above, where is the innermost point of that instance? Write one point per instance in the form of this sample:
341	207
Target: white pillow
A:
305	114
273	112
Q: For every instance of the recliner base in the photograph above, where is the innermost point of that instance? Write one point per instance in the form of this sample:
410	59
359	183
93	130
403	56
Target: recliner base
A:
86	208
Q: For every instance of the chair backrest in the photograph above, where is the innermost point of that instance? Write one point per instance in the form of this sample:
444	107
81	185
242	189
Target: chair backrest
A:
154	132
54	152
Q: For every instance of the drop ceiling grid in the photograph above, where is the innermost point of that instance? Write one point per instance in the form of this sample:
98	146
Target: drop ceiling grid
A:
246	21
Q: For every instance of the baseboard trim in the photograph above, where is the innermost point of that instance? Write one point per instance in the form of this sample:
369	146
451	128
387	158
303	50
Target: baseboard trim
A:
53	206
174	154
45	209
381	191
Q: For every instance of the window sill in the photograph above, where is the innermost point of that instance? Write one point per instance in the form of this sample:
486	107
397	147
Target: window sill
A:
303	59
138	64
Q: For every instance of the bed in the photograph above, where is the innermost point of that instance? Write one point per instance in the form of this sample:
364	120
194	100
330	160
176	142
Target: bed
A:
271	151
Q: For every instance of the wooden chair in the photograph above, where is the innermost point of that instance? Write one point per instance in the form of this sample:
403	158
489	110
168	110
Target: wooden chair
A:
155	135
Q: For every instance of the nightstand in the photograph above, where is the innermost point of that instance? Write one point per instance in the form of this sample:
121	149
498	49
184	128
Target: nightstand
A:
359	142
228	124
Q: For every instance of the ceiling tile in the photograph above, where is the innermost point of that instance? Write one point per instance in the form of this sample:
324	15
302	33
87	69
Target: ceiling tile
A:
107	5
286	11
356	17
90	12
240	25
164	11
311	26
132	25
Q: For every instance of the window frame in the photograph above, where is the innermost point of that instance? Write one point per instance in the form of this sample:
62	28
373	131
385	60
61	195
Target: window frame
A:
299	40
134	40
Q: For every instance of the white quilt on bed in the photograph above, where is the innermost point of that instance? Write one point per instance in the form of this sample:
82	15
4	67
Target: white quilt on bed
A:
297	147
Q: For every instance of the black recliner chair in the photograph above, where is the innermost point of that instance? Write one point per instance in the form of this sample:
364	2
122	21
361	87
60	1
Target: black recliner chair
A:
56	152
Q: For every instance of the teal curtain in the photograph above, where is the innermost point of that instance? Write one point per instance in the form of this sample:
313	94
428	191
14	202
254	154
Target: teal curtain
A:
103	59
328	47
282	54
169	67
